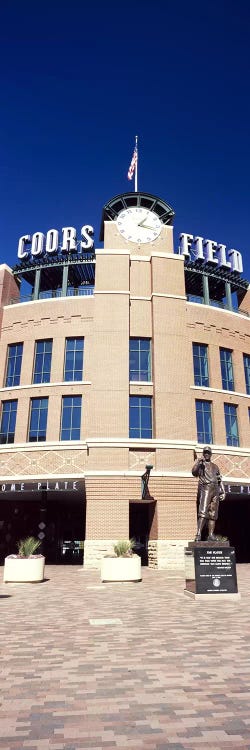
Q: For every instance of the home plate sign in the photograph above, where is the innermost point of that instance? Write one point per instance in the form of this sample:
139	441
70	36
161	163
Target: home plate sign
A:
215	570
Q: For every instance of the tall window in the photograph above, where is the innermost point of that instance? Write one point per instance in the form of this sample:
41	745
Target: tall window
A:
8	421
38	419
140	417
204	421
73	359
14	363
231	422
226	364
42	365
200	361
139	359
246	360
71	418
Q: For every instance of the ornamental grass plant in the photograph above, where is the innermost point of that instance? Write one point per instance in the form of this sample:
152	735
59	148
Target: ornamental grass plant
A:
124	548
27	547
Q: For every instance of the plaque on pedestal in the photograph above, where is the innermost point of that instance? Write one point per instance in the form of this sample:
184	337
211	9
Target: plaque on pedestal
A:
210	571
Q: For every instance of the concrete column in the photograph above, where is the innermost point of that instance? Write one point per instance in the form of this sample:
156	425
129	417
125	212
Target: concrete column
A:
37	284
205	286
65	280
229	303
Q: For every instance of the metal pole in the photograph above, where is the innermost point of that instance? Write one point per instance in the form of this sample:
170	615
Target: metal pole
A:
136	164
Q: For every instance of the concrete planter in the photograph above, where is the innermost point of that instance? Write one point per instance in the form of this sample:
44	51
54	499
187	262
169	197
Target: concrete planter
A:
23	569
121	568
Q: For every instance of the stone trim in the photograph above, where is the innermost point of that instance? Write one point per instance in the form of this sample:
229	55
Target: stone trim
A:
209	389
164	554
94	551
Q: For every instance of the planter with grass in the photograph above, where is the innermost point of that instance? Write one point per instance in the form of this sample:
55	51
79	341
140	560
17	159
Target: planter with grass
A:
123	565
26	566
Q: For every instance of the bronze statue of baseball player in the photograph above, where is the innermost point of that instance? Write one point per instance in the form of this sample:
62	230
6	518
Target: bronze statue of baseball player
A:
210	492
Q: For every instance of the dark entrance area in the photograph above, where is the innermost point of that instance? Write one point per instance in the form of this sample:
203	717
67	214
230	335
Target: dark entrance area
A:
234	522
65	531
141	515
57	518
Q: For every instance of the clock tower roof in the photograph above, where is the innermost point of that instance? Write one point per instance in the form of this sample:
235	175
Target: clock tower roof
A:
144	200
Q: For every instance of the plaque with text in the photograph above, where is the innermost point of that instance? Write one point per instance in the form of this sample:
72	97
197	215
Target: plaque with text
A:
215	570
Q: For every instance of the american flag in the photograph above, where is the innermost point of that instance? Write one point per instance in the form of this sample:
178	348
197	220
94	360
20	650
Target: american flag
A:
133	164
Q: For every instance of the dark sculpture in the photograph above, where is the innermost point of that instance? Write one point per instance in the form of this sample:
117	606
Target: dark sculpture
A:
144	482
210	492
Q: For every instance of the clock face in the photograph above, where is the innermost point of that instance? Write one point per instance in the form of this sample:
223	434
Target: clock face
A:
139	225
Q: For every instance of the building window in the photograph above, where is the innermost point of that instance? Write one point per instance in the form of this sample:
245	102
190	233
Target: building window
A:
42	366
8	421
140	359
231	422
38	419
200	360
73	359
71	418
226	369
140	417
246	359
204	421
14	363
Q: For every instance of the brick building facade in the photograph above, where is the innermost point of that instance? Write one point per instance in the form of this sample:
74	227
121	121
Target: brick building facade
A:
120	392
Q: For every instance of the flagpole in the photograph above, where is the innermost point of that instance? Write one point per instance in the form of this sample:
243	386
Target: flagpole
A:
136	165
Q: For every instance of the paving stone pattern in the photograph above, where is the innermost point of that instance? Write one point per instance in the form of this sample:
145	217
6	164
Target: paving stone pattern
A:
168	673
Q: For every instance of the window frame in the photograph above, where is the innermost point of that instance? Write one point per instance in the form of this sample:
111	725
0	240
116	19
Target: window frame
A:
227	384
139	427
42	372
207	436
8	432
198	357
72	407
73	369
230	439
9	378
32	410
139	352
247	371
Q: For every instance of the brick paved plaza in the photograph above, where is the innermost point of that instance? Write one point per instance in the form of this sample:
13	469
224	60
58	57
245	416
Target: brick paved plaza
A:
168	673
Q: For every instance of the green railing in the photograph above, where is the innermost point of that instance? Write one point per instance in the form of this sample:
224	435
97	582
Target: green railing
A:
215	303
81	291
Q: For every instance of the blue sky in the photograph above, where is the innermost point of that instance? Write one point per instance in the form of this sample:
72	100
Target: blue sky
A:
79	80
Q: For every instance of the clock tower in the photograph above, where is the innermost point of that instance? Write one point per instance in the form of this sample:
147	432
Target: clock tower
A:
139	222
139	311
139	281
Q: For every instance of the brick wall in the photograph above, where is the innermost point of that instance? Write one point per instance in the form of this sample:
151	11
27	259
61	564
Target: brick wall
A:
139	292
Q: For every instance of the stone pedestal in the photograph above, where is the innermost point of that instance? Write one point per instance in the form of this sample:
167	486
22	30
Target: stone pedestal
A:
210	571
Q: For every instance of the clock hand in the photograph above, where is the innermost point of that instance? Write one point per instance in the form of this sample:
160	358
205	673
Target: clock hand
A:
145	226
141	224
